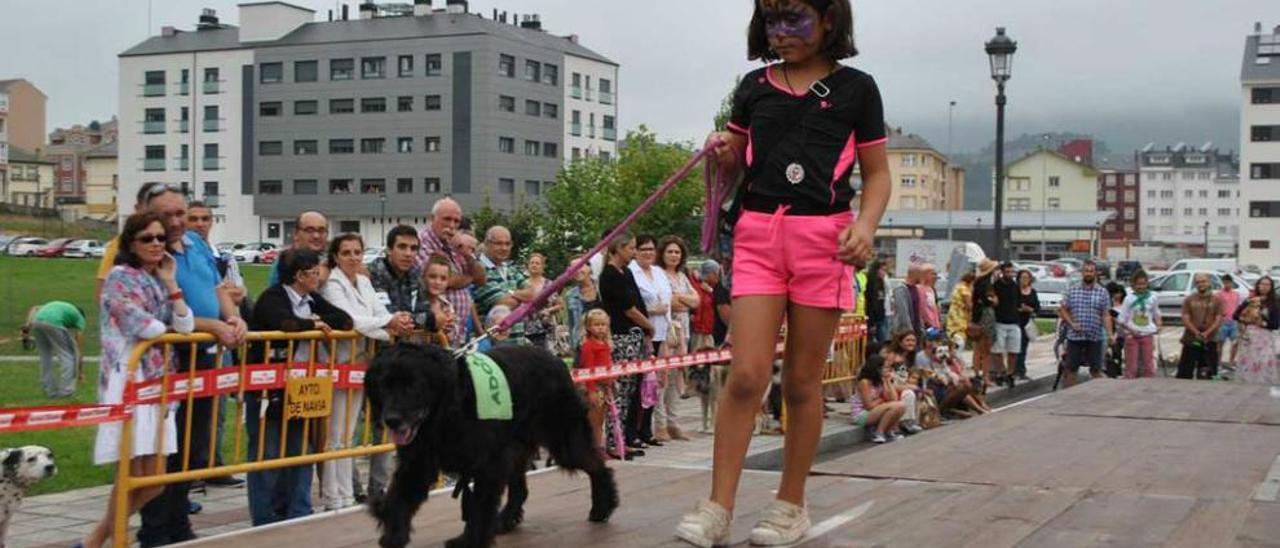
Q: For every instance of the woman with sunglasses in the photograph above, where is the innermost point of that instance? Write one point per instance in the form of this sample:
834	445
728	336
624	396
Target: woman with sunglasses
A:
140	301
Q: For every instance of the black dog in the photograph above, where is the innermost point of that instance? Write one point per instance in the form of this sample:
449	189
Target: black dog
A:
426	399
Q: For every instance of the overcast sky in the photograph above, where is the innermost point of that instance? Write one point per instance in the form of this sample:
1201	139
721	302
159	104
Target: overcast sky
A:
1129	71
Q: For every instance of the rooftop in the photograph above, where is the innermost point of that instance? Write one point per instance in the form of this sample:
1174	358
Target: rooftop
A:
435	25
106	150
1261	56
23	156
911	141
1116	162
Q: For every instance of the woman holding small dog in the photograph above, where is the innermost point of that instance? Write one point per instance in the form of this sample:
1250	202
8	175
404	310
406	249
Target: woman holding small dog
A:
140	301
878	404
1259	318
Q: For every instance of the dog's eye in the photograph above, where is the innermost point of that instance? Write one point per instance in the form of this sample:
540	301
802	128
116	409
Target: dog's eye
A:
31	459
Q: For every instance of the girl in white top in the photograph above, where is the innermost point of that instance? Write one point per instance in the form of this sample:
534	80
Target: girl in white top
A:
349	288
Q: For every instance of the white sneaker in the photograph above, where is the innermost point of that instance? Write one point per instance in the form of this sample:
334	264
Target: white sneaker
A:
782	523
706	526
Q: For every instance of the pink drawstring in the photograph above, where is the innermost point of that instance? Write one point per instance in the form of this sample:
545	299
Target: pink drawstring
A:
775	221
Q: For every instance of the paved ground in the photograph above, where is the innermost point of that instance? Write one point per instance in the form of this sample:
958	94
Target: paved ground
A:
62	519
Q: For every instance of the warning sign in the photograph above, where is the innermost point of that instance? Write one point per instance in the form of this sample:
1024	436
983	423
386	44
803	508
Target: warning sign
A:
309	398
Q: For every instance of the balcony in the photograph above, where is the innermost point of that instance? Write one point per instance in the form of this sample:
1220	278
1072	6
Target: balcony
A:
153	126
153	164
184	126
184	88
587	94
211	87
211	164
153	90
606	97
575	129
184	164
212	200
610	134
575	92
211	125
591	132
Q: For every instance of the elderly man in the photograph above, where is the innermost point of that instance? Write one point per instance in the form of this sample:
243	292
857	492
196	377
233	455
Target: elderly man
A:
906	305
504	280
147	194
439	238
310	231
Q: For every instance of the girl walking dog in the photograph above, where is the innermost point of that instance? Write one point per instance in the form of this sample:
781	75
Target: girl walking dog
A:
796	129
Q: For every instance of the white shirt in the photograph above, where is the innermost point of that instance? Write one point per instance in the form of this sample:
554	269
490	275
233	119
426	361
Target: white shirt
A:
302	309
656	292
361	302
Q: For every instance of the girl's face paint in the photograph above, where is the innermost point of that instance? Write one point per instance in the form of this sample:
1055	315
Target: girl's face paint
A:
784	20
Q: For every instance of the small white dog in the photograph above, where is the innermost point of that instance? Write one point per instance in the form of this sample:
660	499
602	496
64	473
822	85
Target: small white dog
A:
20	468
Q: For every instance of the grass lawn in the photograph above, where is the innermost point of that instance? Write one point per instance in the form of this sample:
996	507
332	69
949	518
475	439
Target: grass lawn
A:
27	282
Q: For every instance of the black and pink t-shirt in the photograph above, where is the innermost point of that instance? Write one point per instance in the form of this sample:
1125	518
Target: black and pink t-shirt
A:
805	164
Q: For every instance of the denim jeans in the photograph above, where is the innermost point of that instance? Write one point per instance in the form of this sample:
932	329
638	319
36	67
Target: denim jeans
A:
283	493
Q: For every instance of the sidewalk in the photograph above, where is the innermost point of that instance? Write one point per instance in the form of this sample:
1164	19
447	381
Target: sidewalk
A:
60	520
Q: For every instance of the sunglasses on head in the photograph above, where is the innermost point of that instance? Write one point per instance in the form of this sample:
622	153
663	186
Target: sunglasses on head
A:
151	190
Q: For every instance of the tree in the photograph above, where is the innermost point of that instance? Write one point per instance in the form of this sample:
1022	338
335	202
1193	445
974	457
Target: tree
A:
594	195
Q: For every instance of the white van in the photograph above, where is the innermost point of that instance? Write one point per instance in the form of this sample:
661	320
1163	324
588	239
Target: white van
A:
1221	265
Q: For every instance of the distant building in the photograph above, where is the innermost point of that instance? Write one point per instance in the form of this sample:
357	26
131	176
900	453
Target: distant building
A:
1047	181
1260	149
101	182
30	179
922	178
1190	195
369	120
1118	191
67	148
22	119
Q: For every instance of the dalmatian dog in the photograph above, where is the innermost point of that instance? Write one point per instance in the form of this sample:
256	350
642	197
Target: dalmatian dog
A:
20	468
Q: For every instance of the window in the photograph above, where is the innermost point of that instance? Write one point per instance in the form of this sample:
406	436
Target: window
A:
1166	211
1266	96
270	148
432	185
1259	244
1224	211
1204	193
404	103
373	104
1054	203
431	144
1187	211
1204	175
372	146
211	118
1130	196
532	71
211	157
348	226
610	133
211	193
305	148
531	188
551	150
433	103
270	187
907	202
1188	176
1130	213
373	67
341	69
306	186
1109	196
404	186
507	65
506	144
1264	171
153	83
341	146
373	186
405	66
306	108
506	186
909	181
908	160
551	75
306	71
1166	194
506	103
1159	159
575	90
269	108
1130	227
1203	212
271	73
532	148
211	80
533	108
1188	194
1055	181
1151	211
1224	193
606	92
1167	176
551	110
154	158
153	120
434	64
1264	210
339	186
404	144
342	106
1151	194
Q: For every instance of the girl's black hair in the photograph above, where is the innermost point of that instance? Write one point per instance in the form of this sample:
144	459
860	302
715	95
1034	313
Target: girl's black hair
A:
836	45
872	369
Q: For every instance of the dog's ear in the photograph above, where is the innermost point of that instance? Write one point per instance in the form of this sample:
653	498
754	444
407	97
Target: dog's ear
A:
9	465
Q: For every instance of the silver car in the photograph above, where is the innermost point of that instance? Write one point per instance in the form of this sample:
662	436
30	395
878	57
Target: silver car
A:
1051	292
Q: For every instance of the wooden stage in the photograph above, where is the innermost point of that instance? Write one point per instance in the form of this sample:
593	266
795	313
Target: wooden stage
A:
1139	463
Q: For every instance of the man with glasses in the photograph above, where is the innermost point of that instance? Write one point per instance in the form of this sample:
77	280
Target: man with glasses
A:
503	280
465	271
310	231
146	195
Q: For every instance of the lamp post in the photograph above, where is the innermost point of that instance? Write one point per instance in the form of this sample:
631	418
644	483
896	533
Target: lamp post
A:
1000	50
1206	239
382	216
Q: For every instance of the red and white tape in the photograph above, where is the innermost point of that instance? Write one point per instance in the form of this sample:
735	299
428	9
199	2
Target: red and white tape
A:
46	418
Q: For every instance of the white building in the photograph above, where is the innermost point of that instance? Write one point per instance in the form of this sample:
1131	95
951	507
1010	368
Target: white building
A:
1260	149
181	121
591	105
1190	195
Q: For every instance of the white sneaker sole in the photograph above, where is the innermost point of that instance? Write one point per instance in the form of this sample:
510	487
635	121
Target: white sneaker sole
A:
760	539
695	537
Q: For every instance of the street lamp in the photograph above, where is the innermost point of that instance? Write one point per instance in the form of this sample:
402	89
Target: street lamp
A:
382	216
1206	239
1000	50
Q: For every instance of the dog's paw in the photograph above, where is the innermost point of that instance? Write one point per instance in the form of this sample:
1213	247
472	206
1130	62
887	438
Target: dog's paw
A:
600	513
509	520
459	541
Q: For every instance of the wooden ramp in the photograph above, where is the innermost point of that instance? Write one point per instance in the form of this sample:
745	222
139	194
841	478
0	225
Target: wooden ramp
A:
1158	462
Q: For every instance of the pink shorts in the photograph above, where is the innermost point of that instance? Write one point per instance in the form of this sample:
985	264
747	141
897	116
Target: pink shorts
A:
794	256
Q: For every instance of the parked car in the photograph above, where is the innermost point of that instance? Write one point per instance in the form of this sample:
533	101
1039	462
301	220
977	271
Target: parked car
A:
83	249
228	247
372	253
1275	271
271	255
4	242
252	252
54	248
1104	269
1125	270
1174	287
26	246
1037	270
1051	292
1223	265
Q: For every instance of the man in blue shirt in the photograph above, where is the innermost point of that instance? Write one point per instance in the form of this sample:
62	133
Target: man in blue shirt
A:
166	518
1086	310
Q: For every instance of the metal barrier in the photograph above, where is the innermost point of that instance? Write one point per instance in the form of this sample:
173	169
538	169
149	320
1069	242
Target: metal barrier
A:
308	386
